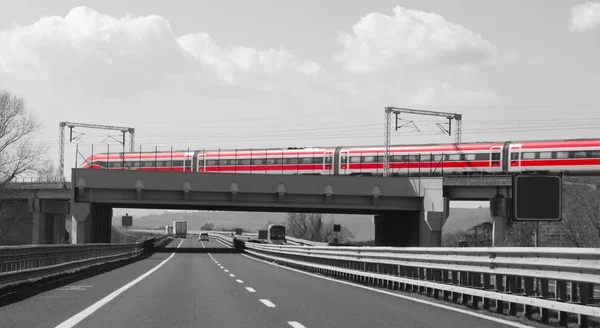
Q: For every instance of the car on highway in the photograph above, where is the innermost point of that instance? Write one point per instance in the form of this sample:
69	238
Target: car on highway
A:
204	236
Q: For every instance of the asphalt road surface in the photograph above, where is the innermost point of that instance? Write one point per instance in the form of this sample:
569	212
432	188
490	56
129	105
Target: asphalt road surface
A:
203	286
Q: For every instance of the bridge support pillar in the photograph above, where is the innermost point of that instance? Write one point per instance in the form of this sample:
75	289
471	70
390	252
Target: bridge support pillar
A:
91	223
500	211
48	220
431	232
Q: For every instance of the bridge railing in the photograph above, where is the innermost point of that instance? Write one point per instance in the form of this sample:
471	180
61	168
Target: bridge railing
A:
39	183
510	278
23	263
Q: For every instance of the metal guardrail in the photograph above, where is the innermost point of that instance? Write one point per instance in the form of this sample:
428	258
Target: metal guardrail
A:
22	263
521	276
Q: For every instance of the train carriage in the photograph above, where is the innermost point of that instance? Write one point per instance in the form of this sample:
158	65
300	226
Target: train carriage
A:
579	157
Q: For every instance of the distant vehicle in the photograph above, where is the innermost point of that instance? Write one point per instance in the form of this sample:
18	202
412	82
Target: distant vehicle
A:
276	234
169	230
180	229
204	236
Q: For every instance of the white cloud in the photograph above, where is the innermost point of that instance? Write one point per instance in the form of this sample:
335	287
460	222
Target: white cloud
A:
585	16
110	56
247	66
408	38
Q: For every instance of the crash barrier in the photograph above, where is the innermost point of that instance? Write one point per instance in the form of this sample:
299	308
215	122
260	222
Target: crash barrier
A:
24	263
511	279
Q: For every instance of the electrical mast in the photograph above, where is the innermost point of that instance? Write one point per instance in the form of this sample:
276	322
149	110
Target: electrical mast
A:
397	111
71	125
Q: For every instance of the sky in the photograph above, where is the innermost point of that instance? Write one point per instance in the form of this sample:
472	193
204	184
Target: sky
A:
265	73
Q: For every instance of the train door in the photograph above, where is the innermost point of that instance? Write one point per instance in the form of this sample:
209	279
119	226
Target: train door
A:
328	162
496	157
187	163
515	158
344	158
201	162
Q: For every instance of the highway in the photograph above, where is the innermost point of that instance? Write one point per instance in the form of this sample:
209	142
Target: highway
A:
204	286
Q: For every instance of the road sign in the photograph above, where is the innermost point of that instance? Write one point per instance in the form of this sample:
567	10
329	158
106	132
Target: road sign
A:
126	221
337	227
538	198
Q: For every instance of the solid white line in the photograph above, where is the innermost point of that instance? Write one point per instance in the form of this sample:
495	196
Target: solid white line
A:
241	282
250	289
231	275
479	315
295	324
267	303
94	307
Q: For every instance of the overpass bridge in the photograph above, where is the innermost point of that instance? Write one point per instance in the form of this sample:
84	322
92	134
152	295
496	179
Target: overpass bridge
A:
409	211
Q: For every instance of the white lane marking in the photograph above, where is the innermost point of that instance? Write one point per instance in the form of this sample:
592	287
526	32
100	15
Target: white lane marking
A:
74	288
479	315
241	282
202	244
226	270
295	324
250	289
71	322
231	275
267	303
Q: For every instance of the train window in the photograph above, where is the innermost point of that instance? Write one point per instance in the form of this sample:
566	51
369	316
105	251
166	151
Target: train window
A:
211	162
595	154
368	159
270	161
514	156
355	159
562	154
546	155
293	161
135	164
396	158
482	157
437	158
453	157
413	158
495	156
188	162
115	164
470	157
245	162
425	158
344	159
258	161
528	156
579	154
328	160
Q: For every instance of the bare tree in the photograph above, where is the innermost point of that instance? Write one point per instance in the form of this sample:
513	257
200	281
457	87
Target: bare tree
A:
581	215
311	226
49	173
18	152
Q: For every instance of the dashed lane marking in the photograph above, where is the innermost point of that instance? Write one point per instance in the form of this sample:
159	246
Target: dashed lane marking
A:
241	282
447	307
250	289
295	324
71	322
267	303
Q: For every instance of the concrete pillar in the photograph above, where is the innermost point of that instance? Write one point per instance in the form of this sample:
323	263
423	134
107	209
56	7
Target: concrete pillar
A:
38	235
47	226
81	223
431	231
91	223
499	210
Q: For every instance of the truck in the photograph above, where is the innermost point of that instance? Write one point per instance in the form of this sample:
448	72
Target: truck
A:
169	230
180	229
262	234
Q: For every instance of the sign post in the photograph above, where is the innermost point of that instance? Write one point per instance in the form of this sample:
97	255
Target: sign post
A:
537	198
126	221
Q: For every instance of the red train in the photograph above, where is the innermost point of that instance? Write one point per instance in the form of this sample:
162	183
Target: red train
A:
576	157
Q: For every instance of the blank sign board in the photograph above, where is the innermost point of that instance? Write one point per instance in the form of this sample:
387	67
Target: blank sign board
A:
126	221
538	198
